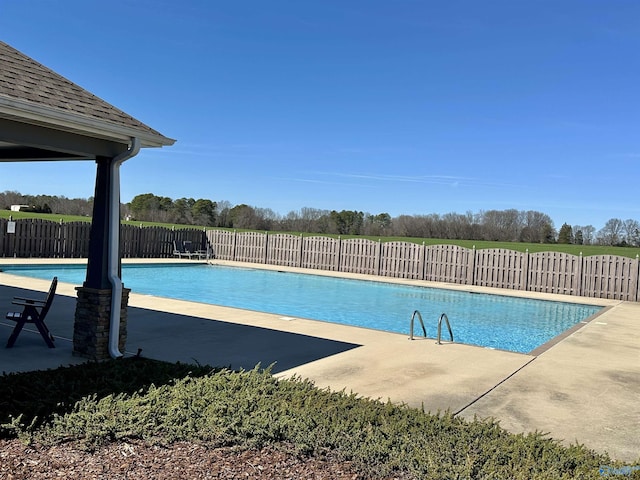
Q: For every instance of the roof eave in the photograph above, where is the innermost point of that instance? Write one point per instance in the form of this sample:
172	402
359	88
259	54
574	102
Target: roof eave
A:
29	112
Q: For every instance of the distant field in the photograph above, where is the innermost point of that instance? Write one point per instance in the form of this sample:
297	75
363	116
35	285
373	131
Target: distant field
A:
54	217
586	250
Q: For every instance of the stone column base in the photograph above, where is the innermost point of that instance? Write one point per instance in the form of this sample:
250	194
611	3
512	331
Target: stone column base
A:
92	320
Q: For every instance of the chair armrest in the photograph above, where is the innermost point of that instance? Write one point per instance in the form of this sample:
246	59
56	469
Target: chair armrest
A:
25	299
28	302
31	300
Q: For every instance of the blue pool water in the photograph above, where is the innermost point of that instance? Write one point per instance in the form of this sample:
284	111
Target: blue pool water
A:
494	321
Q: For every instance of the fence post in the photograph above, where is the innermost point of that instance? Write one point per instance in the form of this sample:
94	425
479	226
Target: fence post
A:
58	246
378	260
637	278
301	250
581	280
139	234
338	254
474	262
234	244
13	242
526	277
266	248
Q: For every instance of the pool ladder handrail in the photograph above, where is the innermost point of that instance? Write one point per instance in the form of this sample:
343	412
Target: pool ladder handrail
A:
446	319
424	330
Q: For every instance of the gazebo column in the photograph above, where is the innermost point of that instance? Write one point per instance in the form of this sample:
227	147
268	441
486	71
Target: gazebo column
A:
93	307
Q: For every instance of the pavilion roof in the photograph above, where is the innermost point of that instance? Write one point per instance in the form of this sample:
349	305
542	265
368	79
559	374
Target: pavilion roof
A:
33	94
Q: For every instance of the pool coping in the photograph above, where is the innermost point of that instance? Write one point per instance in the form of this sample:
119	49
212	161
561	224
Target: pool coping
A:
552	391
568	332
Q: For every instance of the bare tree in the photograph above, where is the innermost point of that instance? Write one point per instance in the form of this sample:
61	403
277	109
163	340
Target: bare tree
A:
291	222
632	232
419	226
376	224
457	226
9	198
224	218
612	233
535	226
267	218
586	233
501	225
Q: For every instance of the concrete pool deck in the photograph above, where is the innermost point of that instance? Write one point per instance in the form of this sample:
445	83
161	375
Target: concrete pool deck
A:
584	388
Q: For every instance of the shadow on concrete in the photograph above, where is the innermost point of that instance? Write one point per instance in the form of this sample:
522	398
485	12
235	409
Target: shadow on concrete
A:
163	336
181	338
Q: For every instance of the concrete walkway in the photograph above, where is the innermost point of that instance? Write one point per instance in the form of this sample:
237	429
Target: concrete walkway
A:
584	388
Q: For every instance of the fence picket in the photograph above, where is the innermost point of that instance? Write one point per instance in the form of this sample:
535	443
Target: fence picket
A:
500	268
609	276
283	249
401	260
222	243
554	272
319	253
250	247
358	255
448	263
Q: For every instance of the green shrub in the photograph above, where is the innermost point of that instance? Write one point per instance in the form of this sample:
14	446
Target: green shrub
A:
36	396
252	409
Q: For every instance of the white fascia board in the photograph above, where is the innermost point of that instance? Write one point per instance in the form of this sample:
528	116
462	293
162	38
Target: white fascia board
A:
43	115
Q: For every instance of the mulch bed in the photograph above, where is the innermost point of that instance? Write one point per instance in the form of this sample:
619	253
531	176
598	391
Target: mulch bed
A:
137	460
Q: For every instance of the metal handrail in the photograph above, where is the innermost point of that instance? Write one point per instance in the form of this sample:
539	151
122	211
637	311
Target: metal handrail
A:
444	315
424	331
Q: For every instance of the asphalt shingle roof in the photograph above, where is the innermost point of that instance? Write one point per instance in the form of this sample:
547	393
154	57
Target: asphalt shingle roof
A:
24	79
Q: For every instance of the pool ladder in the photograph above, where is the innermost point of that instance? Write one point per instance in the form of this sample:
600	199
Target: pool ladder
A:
424	330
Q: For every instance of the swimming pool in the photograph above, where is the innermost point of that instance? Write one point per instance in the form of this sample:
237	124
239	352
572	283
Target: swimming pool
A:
494	321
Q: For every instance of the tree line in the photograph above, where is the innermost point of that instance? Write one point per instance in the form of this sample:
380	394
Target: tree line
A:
509	225
47	203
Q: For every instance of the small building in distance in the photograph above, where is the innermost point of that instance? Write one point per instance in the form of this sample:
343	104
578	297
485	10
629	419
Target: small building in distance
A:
20	208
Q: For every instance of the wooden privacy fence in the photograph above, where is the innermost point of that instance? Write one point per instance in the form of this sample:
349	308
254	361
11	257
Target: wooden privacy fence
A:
35	238
600	276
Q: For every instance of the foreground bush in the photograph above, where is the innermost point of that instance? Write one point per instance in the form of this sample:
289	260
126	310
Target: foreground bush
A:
38	395
253	409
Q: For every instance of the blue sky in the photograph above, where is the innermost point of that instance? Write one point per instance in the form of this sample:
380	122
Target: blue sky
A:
398	106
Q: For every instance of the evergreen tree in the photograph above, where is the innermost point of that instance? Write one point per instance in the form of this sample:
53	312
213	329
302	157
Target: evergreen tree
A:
565	235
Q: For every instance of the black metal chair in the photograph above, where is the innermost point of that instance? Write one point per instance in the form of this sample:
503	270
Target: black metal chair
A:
34	311
182	249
